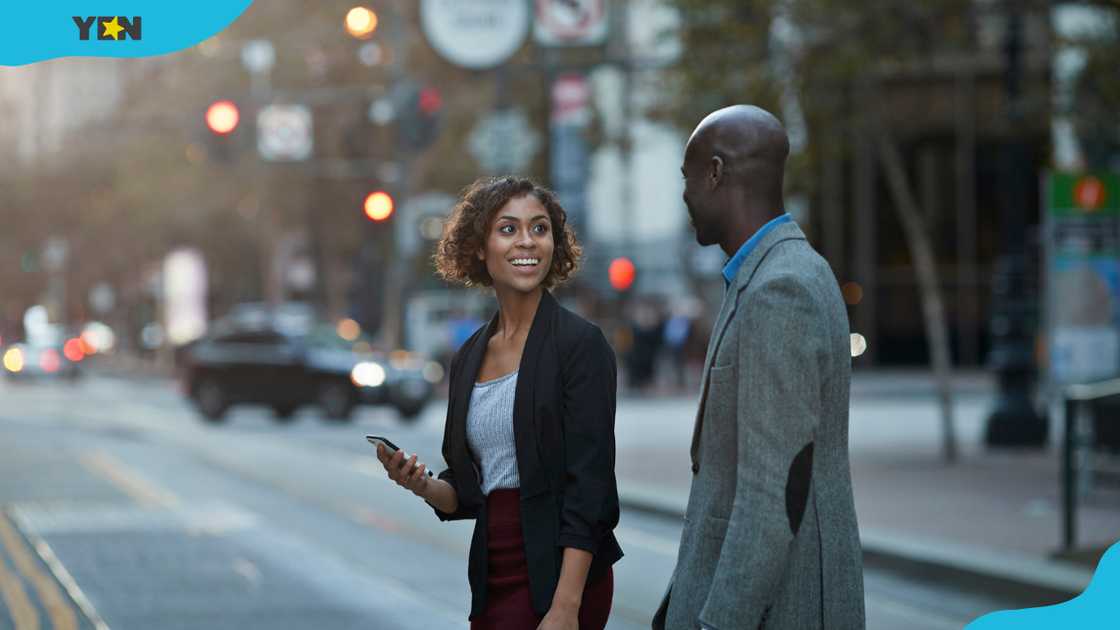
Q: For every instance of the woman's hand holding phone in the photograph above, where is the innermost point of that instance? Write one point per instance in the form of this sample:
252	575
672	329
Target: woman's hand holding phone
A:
406	473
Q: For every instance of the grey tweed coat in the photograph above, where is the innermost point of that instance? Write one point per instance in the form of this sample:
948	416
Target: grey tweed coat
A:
770	537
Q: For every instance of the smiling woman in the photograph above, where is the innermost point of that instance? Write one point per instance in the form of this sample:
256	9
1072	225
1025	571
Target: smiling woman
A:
469	229
529	440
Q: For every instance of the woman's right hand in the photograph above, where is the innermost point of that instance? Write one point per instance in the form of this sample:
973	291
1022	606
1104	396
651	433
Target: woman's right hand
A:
406	473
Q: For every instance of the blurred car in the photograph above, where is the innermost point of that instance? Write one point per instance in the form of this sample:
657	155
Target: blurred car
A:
42	360
284	367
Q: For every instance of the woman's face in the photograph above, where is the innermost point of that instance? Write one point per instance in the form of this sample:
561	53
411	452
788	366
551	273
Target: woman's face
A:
519	246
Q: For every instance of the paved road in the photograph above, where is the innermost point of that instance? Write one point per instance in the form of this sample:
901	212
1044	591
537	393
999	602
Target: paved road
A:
120	509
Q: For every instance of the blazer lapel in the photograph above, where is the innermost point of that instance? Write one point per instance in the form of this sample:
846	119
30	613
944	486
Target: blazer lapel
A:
728	308
461	402
531	474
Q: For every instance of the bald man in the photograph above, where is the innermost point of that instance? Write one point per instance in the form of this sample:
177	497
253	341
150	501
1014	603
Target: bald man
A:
770	537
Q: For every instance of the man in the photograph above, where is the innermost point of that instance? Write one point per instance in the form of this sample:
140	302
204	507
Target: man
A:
770	537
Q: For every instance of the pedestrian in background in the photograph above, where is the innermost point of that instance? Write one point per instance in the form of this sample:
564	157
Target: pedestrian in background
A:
770	537
529	439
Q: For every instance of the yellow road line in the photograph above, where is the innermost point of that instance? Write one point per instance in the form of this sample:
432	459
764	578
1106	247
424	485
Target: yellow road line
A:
132	483
66	580
58	607
23	613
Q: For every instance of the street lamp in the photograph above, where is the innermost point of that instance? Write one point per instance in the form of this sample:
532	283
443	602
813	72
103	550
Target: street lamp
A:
1014	421
361	22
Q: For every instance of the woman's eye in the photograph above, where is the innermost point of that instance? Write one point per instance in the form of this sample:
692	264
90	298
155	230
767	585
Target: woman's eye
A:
540	228
506	229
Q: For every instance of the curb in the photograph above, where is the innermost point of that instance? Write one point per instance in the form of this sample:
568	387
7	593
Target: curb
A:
1032	580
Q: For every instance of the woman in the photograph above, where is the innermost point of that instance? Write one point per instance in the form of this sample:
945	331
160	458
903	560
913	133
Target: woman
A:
529	439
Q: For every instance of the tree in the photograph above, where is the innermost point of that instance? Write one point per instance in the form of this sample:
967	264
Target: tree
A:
822	60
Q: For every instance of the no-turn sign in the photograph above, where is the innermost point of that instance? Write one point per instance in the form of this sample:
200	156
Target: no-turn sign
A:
570	22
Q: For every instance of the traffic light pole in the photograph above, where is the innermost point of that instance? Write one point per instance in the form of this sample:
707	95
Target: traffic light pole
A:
392	321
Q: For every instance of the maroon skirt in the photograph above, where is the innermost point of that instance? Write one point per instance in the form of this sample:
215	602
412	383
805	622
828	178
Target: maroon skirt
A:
508	603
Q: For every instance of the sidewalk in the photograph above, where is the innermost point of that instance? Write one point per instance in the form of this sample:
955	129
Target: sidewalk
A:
992	516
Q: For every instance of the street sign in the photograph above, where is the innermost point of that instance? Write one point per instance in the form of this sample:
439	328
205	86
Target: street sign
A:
479	34
1083	275
504	142
410	224
258	56
570	22
284	133
569	159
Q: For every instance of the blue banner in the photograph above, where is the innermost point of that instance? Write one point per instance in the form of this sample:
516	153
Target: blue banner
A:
38	31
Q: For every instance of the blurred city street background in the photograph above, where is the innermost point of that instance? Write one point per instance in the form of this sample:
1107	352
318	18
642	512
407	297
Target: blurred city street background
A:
216	278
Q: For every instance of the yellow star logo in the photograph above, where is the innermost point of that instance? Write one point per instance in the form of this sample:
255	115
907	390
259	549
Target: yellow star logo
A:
112	28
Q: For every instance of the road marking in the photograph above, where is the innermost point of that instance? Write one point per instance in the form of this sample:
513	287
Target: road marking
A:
19	607
650	542
63	576
58	609
131	482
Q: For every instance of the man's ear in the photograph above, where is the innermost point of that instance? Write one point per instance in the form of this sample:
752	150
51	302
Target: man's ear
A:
715	173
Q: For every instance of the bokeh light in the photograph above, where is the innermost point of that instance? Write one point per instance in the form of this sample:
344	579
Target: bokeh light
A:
361	22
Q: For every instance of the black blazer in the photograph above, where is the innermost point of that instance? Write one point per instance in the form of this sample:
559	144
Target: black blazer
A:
563	426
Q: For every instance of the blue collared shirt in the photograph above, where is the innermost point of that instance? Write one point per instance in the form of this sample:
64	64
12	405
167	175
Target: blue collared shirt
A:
732	266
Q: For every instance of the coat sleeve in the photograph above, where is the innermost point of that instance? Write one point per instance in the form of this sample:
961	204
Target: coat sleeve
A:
780	358
589	382
448	473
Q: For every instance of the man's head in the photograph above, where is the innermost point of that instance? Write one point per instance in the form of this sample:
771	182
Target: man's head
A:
733	168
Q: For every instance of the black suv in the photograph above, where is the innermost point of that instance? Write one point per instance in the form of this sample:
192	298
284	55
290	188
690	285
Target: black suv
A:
273	366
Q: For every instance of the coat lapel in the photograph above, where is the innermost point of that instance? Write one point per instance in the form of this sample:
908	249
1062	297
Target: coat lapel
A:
531	474
460	405
728	308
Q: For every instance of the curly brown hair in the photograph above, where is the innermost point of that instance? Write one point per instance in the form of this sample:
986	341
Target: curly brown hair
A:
468	225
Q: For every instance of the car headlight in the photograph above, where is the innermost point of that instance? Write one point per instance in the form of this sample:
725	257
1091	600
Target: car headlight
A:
368	374
13	360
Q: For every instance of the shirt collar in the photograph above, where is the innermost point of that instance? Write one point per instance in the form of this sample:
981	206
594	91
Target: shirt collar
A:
732	266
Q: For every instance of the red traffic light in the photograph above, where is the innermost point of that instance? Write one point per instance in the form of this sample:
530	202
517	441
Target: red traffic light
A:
222	117
621	274
378	206
430	100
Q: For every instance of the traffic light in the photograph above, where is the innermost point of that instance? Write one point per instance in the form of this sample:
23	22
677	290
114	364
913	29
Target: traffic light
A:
621	274
420	118
222	118
378	206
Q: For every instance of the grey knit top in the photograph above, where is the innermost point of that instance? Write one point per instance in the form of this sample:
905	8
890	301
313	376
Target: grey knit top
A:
490	432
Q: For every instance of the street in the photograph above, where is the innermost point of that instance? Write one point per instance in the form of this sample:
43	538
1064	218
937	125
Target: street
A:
121	509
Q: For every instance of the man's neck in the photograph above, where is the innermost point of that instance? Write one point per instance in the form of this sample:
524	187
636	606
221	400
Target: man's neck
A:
748	226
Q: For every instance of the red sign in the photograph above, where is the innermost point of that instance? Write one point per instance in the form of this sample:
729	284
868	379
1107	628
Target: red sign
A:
1089	193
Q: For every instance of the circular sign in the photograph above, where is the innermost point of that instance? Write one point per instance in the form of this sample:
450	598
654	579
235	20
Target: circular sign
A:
1088	193
478	34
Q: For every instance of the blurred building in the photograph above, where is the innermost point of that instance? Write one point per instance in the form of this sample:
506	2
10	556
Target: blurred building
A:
44	102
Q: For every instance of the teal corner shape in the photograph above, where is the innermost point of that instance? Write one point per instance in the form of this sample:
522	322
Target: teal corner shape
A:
39	31
1097	607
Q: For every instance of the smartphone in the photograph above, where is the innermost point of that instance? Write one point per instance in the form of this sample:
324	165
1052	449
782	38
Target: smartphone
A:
388	444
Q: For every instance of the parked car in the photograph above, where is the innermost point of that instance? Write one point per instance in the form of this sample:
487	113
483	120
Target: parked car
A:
285	368
41	361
